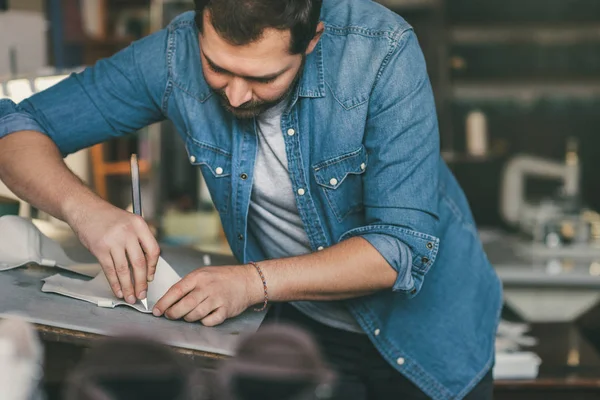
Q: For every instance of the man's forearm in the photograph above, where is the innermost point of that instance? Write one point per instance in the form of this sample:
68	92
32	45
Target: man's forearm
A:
32	167
349	269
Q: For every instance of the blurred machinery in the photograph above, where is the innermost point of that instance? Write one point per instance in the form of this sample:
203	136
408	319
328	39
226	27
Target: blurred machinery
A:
550	267
558	221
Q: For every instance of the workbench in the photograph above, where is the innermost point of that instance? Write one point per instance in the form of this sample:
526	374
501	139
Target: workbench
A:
570	366
557	294
68	326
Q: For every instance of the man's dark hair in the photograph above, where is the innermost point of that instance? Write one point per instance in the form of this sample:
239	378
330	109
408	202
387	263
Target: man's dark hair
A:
241	22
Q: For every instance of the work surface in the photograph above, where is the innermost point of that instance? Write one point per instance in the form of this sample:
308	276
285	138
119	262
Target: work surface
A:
570	366
522	263
22	295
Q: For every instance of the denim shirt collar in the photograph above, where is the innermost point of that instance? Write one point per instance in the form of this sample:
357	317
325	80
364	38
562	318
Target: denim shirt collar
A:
312	83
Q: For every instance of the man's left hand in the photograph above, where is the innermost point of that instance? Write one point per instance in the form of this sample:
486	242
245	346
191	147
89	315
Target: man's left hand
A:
212	295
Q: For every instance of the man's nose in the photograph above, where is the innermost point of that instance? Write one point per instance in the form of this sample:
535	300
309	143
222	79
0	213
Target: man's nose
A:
238	92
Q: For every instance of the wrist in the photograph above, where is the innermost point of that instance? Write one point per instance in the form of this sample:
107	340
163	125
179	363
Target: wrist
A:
254	285
74	208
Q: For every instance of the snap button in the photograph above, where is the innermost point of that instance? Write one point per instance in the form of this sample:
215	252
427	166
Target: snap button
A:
320	248
192	159
333	182
430	245
400	361
241	237
425	260
291	132
301	192
244	176
377	332
219	171
363	166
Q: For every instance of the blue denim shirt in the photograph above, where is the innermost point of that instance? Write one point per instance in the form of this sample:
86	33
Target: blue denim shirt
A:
362	140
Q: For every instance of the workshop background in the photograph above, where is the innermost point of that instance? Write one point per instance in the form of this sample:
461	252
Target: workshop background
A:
517	85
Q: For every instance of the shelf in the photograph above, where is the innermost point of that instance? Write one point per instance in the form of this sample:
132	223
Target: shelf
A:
523	12
540	35
124	167
399	5
464	158
527	92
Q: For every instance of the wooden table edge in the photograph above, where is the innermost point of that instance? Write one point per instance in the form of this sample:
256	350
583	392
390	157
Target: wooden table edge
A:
84	339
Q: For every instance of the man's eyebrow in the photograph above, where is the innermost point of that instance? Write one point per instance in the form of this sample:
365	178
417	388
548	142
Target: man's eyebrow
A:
260	78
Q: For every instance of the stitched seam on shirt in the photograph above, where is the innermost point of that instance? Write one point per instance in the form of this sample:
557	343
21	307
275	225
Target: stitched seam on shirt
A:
458	214
169	88
369	228
338	213
115	131
180	24
336	160
192	95
20	114
489	363
359	103
340	30
293	119
321	76
141	78
396	40
420	371
208	146
380	229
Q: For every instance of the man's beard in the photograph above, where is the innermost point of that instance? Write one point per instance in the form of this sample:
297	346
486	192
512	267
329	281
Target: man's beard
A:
254	108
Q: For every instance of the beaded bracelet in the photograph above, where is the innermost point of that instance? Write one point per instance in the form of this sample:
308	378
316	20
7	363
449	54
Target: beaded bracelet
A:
264	282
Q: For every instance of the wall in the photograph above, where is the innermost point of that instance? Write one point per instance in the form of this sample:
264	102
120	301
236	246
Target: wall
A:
26	5
23	44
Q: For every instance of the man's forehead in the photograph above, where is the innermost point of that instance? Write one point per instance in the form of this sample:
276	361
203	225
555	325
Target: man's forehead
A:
266	57
272	43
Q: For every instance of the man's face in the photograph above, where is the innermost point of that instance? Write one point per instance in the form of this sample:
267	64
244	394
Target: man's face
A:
250	79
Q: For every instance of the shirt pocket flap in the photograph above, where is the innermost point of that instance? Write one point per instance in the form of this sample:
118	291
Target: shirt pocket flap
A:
331	173
216	160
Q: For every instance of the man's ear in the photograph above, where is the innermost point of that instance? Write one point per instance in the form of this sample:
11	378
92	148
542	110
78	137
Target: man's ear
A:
316	38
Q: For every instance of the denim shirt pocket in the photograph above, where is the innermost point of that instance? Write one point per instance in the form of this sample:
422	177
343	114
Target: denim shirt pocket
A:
216	167
340	179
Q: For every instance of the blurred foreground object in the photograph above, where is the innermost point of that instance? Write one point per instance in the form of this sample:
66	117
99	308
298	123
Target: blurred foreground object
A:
132	368
278	362
21	358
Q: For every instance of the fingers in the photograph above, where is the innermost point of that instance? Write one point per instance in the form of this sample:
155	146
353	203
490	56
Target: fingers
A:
173	295
217	317
205	307
122	268
150	247
188	305
111	275
137	260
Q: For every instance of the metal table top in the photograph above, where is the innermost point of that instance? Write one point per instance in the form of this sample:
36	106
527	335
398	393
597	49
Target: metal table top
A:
520	262
59	315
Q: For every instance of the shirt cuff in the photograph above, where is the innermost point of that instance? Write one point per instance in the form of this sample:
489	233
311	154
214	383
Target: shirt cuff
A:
13	119
411	254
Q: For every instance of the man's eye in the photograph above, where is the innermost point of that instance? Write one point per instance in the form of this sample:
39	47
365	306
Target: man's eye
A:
266	81
216	69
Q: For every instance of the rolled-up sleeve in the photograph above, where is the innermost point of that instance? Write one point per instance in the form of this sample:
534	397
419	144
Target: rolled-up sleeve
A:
401	180
116	96
13	119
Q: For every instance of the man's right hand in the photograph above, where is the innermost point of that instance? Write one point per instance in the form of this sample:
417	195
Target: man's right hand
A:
123	244
33	168
117	238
